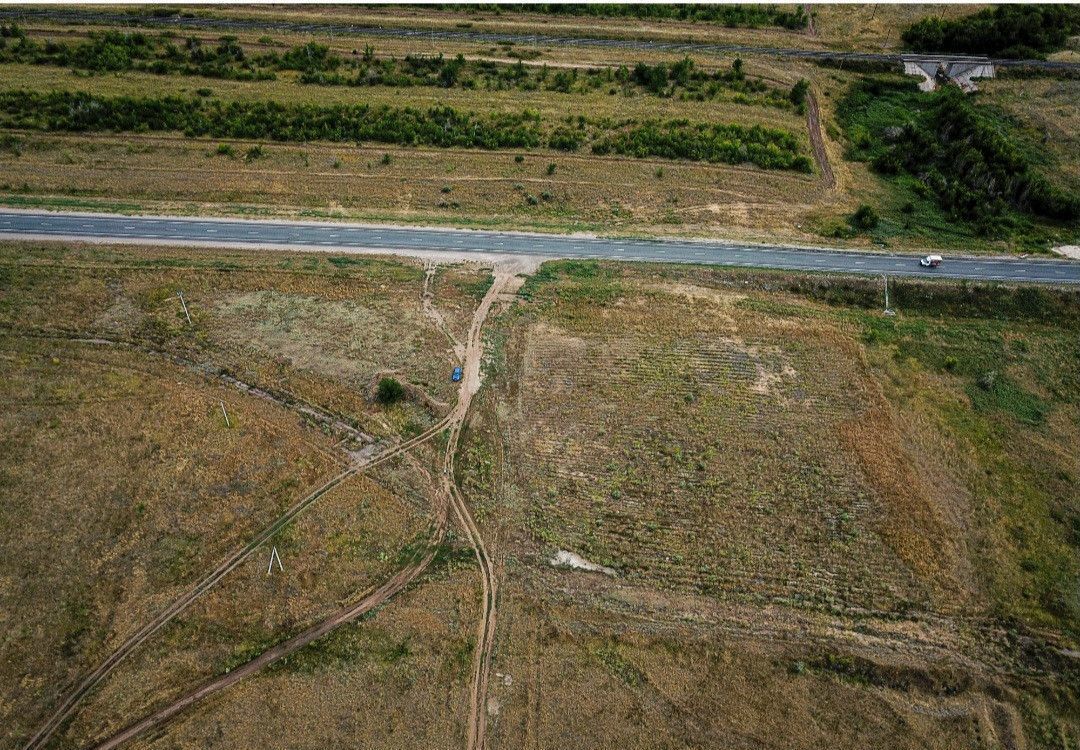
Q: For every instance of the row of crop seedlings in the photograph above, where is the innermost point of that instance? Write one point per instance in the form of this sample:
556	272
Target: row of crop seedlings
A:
673	470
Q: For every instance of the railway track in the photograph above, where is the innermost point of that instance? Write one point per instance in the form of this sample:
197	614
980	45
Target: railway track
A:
482	37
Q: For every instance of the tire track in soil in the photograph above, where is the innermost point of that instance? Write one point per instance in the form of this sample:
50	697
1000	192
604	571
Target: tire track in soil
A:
71	701
67	707
821	156
469	386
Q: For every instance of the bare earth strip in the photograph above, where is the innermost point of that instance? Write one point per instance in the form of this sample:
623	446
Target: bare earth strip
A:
821	156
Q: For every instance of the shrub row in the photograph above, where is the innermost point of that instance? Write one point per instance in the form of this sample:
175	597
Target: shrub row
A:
682	78
731	144
115	51
437	126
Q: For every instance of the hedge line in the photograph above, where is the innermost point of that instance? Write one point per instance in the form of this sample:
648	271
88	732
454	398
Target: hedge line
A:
437	126
114	51
730	144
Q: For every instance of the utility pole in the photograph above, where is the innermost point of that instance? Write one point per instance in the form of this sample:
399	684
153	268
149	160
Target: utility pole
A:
186	313
888	310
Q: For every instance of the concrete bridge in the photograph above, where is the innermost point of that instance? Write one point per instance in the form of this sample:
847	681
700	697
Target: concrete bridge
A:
938	69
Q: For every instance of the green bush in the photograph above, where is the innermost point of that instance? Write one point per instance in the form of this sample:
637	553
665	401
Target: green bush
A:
865	218
799	93
389	391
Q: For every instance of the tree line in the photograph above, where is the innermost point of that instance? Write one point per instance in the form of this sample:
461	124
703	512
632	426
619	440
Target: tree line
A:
115	51
442	126
1013	31
733	16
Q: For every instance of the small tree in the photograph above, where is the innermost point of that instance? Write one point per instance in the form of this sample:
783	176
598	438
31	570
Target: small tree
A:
798	94
864	218
390	391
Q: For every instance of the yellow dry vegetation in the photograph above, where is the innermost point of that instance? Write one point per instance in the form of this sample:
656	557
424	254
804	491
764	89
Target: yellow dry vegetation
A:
816	533
122	486
125	484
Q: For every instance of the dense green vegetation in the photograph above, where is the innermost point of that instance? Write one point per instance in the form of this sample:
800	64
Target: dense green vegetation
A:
115	51
731	144
437	126
389	391
965	155
732	16
1017	31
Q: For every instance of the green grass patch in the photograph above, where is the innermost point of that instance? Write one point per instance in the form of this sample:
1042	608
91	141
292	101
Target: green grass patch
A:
618	665
997	386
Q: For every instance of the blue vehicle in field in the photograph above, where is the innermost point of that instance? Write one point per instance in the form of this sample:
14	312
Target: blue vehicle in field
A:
457	375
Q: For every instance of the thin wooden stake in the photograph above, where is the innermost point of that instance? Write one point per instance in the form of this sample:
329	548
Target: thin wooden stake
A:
227	422
186	313
274	556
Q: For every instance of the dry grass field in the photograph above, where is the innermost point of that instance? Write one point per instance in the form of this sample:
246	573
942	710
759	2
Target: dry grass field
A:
127	485
820	525
321	329
398	679
801	505
351	540
122	484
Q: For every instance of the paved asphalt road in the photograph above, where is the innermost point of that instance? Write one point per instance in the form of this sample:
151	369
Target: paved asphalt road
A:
328	236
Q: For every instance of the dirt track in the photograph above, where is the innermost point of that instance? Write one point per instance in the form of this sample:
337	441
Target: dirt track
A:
505	282
821	156
470	384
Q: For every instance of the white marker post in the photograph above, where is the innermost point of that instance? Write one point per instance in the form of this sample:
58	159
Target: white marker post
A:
888	310
274	556
226	414
186	313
